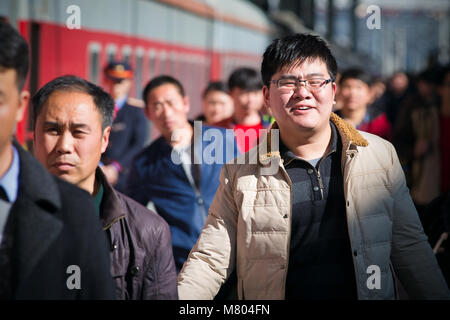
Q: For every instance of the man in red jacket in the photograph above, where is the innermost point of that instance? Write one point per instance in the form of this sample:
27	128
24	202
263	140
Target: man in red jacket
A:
354	92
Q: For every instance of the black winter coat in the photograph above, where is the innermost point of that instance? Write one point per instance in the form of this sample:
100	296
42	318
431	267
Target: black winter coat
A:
54	226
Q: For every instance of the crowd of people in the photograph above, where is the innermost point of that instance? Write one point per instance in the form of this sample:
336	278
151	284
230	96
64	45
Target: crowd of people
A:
285	187
412	111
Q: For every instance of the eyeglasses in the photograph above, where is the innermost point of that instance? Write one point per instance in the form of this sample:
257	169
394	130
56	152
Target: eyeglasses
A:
290	84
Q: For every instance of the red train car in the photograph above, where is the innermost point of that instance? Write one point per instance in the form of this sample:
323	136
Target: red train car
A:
192	40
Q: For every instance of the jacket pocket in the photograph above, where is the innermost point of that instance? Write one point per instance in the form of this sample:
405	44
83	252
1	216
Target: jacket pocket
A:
376	230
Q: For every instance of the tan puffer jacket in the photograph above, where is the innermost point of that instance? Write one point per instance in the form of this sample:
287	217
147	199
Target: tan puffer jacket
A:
249	226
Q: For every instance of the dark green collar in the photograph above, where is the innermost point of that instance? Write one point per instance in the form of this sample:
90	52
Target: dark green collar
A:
98	198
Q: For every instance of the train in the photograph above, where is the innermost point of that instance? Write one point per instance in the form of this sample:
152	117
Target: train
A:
196	41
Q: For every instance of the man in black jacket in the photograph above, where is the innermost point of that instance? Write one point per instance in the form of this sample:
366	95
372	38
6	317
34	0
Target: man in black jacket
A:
72	120
51	245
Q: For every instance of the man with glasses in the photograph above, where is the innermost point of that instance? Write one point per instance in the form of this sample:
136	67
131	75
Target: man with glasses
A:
332	221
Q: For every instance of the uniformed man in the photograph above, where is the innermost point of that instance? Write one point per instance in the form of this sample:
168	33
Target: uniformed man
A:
130	128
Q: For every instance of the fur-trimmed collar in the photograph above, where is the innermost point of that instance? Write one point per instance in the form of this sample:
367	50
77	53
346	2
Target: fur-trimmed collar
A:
348	131
345	129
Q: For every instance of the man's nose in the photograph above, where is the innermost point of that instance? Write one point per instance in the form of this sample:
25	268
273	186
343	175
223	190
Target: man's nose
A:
167	110
253	96
302	91
65	143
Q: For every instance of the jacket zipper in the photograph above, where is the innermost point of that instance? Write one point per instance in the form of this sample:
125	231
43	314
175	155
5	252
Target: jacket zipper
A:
348	228
112	222
288	243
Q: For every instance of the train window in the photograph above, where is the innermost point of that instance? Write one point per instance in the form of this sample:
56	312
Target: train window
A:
138	73
162	62
184	72
207	68
173	62
199	68
152	63
190	72
126	53
94	62
111	50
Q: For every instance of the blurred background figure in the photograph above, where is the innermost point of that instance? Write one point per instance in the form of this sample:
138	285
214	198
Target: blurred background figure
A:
245	87
444	93
377	89
217	104
422	140
173	175
130	128
355	97
395	94
436	223
435	216
267	115
338	100
416	138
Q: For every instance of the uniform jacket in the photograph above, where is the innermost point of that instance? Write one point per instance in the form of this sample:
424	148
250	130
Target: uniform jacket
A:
55	227
129	133
249	226
142	262
156	180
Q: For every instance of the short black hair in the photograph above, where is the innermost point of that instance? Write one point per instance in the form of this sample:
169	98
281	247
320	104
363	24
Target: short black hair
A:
355	73
159	81
295	49
215	86
70	83
443	74
247	79
13	53
429	75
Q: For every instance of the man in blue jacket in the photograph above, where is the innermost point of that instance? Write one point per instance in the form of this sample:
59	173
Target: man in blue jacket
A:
178	174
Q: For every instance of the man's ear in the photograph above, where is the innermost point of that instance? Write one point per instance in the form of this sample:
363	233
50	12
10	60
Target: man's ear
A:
187	104
266	95
147	112
24	97
334	87
105	138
